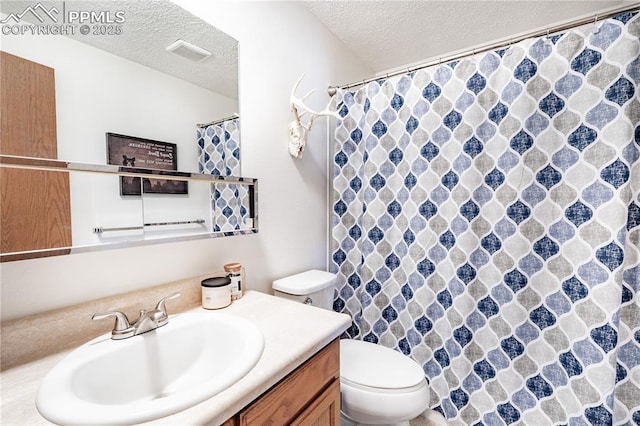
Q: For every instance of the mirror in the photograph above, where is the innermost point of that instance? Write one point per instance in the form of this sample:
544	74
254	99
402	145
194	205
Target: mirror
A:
114	74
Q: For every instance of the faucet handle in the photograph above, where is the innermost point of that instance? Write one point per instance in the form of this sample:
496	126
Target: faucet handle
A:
122	322
121	329
161	304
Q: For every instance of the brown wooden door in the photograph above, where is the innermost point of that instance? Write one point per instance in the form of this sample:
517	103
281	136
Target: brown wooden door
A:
35	205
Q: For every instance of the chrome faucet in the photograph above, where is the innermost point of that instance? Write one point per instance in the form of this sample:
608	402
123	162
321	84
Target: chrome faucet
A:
147	321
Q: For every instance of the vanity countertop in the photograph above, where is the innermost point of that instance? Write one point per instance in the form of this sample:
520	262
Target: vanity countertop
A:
289	341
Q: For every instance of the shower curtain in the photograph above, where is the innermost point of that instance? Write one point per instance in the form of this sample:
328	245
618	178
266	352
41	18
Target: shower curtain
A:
219	154
485	222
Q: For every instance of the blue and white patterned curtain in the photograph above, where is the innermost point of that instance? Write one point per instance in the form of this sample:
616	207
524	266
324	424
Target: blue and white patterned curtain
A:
219	154
486	222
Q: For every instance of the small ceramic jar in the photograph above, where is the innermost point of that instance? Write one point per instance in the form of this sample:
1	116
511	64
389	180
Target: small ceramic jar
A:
216	292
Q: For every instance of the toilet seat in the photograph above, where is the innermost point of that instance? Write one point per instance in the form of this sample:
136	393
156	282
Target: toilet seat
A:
380	385
367	365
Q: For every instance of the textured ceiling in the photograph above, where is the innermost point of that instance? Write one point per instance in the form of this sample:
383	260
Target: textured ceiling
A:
151	26
384	34
388	35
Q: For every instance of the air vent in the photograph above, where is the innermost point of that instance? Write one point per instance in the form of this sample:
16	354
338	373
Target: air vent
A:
188	51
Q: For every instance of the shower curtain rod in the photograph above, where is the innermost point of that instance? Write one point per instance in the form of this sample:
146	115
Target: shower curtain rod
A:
502	43
221	120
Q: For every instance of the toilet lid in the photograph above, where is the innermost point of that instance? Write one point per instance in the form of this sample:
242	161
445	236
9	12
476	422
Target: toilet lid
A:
377	366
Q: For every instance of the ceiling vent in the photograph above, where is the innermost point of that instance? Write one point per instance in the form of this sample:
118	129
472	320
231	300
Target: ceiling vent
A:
188	51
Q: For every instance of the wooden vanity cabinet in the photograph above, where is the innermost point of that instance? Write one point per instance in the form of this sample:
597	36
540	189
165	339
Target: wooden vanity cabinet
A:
310	395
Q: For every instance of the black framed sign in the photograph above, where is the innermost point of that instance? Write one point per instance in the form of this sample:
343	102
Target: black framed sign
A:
134	152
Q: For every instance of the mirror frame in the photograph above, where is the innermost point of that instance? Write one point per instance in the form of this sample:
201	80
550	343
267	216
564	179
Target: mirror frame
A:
30	163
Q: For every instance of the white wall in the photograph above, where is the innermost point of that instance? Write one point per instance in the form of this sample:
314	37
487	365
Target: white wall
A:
278	42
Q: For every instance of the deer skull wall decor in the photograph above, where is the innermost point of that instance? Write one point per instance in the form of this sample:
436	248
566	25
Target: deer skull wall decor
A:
298	132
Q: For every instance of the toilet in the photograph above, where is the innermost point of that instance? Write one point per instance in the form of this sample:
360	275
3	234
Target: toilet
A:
379	386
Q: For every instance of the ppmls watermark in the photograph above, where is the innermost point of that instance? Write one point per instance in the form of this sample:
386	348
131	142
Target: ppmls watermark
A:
52	21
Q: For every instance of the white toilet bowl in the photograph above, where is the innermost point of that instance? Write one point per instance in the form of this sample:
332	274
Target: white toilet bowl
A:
380	386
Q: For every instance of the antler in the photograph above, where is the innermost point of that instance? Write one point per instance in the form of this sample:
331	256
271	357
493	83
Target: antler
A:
300	109
298	131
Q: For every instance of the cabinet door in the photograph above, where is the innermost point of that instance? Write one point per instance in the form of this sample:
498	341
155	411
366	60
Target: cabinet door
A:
324	411
285	402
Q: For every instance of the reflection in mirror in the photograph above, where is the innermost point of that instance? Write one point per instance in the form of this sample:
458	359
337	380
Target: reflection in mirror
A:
123	82
219	148
128	83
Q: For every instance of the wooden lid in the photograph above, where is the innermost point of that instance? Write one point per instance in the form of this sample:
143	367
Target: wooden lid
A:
232	267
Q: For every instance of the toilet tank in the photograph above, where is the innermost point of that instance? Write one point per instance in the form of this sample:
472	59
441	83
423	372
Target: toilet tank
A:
312	287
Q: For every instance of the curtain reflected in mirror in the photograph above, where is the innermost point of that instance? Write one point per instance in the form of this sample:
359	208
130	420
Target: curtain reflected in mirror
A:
219	154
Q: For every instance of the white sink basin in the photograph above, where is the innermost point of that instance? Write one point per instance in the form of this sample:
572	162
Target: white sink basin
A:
145	377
